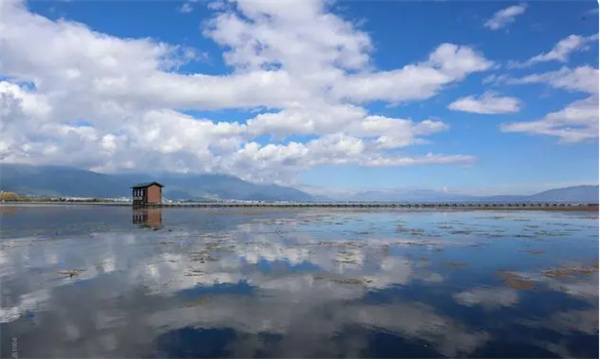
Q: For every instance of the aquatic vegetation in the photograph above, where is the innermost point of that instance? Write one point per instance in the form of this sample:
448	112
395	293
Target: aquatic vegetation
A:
199	301
445	227
515	280
202	256
570	271
352	281
347	257
194	272
462	231
410	231
535	252
71	272
525	236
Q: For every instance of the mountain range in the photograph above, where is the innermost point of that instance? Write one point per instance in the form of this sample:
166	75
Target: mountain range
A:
71	182
53	181
585	193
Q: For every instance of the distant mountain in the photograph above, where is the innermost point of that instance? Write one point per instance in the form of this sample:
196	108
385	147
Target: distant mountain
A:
414	195
568	194
58	180
67	181
72	182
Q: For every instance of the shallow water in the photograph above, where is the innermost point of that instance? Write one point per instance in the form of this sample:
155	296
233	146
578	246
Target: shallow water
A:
94	281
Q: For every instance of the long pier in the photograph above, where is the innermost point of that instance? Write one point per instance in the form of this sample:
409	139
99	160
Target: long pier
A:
412	205
382	205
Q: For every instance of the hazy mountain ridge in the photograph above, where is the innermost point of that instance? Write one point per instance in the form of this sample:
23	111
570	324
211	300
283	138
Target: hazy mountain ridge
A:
68	181
72	182
585	193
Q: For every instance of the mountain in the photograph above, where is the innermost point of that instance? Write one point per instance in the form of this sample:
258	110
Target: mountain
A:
411	195
68	181
58	180
568	194
72	182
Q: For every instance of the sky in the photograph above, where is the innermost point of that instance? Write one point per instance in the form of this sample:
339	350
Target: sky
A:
461	96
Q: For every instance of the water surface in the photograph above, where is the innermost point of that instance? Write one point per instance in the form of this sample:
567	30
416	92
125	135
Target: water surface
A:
96	281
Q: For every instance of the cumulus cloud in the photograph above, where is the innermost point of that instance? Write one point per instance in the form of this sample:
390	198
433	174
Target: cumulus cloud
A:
284	161
582	79
448	63
74	96
561	51
505	17
488	103
576	122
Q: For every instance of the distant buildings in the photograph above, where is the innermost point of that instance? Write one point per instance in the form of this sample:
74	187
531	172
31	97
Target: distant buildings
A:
147	193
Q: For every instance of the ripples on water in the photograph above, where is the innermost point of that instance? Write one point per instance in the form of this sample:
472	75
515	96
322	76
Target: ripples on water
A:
87	281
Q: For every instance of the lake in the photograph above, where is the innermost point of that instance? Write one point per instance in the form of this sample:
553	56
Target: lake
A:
100	281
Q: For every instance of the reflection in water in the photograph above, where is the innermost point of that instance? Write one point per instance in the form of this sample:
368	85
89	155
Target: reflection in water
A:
297	283
148	217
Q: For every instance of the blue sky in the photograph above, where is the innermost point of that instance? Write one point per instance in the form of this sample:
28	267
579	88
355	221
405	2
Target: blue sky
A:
475	97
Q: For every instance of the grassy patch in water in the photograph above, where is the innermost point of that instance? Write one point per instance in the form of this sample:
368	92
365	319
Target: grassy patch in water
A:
198	301
515	281
532	251
445	227
570	271
462	231
352	281
194	272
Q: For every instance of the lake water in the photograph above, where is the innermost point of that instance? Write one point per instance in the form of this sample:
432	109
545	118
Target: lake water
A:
98	281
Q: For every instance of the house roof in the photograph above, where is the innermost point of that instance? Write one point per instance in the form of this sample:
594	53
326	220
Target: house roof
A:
146	184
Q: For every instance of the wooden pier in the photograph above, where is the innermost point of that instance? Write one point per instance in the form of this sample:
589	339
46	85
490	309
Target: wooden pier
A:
358	205
561	206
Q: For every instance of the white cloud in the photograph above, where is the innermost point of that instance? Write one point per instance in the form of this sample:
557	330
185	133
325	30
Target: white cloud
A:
186	8
448	63
583	78
505	17
489	298
280	161
592	11
561	51
78	97
576	122
488	103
